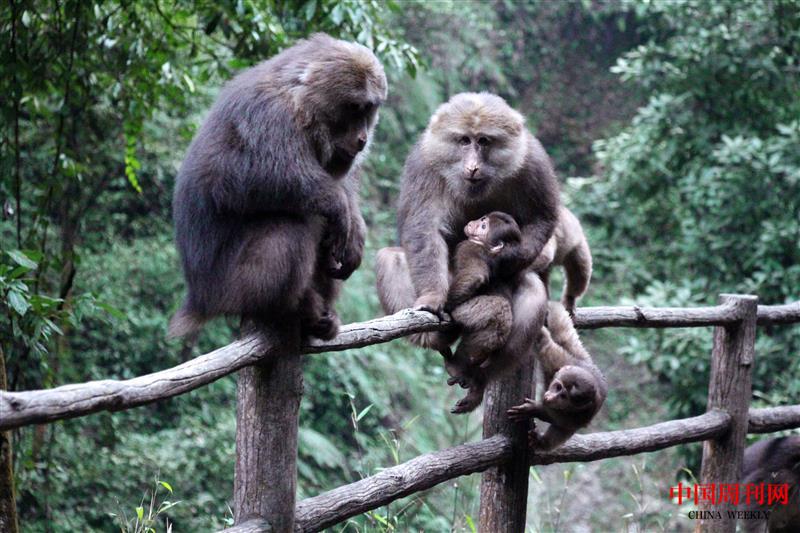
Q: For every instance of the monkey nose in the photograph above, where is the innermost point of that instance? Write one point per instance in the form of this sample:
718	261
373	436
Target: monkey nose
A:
361	143
472	174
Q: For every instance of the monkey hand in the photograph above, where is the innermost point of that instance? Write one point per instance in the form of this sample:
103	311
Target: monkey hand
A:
523	411
353	252
336	238
431	302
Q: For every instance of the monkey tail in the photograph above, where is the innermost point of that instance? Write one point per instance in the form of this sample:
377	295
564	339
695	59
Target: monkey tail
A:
184	322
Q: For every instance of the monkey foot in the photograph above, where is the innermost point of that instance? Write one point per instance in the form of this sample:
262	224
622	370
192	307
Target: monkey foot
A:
463	381
326	327
467	404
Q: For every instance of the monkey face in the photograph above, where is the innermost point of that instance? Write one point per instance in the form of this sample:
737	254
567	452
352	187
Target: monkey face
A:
493	231
339	92
572	388
351	128
478	230
477	140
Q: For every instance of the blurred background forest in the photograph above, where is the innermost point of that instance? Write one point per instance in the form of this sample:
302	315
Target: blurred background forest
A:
675	130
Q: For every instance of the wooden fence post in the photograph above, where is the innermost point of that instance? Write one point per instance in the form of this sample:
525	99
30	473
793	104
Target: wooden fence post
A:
265	481
504	488
729	389
8	504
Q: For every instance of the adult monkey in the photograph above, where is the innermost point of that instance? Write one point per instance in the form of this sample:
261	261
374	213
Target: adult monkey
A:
265	205
475	157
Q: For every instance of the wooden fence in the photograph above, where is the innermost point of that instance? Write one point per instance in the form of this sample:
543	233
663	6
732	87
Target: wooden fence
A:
270	388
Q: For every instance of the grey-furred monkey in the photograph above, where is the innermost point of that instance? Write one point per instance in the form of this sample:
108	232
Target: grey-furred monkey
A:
475	157
775	462
576	389
266	201
567	247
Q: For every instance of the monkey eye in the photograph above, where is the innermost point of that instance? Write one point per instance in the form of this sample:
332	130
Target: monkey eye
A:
557	386
483	226
483	141
463	141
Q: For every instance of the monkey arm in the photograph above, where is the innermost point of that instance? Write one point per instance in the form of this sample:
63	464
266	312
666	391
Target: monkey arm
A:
427	254
554	436
354	251
540	187
529	409
534	237
472	273
271	167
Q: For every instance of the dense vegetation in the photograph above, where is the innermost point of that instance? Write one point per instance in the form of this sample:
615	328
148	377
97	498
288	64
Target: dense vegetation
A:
678	122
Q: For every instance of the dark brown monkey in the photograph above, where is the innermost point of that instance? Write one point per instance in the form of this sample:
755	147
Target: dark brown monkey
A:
265	206
576	389
567	247
776	462
487	265
475	157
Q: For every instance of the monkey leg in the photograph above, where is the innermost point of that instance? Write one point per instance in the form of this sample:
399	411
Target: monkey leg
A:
396	292
319	317
487	324
474	397
529	309
577	273
546	256
553	436
272	269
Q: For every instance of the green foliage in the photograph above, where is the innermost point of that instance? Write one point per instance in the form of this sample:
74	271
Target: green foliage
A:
701	192
698	194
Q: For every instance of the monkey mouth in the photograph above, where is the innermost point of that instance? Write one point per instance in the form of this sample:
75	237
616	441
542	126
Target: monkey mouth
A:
476	186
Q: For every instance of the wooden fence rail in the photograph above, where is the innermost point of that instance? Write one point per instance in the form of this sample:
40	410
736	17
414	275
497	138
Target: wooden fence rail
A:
269	392
69	401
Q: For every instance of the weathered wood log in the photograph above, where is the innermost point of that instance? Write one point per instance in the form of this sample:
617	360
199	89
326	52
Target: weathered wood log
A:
267	413
655	317
423	472
251	526
69	401
504	487
594	446
8	504
729	389
770	419
779	314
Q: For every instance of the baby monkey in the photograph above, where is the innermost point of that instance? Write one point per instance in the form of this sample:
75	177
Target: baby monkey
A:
576	389
479	300
567	247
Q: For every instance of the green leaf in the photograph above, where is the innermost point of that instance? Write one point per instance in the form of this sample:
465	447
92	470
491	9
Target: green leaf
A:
166	486
310	9
21	259
363	412
337	14
471	524
140	512
18	302
113	311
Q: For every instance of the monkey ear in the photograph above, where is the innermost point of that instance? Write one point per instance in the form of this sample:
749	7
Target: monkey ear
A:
494	250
